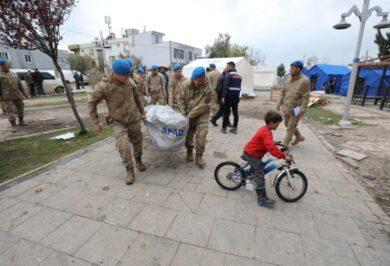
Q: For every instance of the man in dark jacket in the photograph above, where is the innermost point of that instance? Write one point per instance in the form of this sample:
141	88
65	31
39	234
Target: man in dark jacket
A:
77	80
38	82
231	96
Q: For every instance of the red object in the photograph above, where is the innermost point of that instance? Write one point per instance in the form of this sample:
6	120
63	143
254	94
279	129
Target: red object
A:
261	143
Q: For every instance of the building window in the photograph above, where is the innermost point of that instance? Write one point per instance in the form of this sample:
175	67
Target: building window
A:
91	52
112	59
4	55
189	56
178	53
27	58
157	38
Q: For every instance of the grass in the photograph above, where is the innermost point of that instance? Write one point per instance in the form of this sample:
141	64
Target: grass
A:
327	117
23	155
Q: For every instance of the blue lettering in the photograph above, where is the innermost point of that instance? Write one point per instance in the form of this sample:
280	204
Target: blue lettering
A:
173	132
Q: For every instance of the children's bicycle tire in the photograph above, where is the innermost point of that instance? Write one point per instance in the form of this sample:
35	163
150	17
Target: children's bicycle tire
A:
217	177
296	174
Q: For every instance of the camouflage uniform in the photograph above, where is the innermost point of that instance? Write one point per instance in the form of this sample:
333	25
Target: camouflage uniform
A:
174	88
156	88
140	81
195	103
124	105
12	96
295	93
213	77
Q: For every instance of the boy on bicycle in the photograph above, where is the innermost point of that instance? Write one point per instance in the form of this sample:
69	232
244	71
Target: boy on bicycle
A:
261	143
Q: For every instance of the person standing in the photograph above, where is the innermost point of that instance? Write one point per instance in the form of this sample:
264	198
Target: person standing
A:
81	80
294	98
125	113
231	97
77	80
213	76
30	83
141	83
155	83
174	87
194	103
218	92
38	82
166	77
11	94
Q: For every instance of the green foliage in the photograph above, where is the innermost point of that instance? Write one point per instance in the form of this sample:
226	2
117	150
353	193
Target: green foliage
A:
80	63
328	117
281	70
383	43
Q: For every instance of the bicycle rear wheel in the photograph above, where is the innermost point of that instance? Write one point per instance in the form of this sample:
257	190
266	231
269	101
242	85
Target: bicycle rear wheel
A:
229	175
291	192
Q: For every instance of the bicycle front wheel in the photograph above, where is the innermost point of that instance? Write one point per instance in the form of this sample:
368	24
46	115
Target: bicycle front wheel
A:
291	192
229	175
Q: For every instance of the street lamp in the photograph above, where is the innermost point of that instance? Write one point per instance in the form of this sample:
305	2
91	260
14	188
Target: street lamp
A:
363	16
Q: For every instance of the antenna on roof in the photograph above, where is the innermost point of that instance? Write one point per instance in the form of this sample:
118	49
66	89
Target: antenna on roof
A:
107	20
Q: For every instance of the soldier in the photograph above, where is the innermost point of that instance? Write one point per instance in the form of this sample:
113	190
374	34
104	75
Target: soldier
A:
175	84
294	98
125	109
11	94
141	82
155	84
213	77
194	103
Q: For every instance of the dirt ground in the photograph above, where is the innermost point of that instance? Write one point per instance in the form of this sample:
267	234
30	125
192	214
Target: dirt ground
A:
373	141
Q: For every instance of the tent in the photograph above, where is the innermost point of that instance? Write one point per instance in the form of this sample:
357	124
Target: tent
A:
371	78
322	74
244	68
264	77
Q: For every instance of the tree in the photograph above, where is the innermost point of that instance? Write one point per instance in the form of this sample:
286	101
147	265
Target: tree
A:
383	43
35	25
223	48
311	61
281	70
80	63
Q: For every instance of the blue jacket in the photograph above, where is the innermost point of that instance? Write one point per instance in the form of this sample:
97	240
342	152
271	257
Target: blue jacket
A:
232	87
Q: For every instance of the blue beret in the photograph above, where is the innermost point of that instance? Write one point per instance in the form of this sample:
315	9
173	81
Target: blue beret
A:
128	60
198	73
144	67
177	68
154	67
2	61
297	63
121	67
140	70
212	66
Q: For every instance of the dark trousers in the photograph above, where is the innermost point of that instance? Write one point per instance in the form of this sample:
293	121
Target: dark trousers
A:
258	169
218	114
39	88
31	86
77	85
229	107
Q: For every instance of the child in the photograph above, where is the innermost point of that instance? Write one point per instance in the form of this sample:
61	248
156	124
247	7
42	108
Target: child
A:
261	143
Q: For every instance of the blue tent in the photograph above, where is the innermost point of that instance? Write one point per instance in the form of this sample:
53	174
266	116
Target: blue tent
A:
372	78
323	74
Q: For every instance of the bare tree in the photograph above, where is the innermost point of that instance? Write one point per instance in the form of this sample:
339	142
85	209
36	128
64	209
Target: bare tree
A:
35	25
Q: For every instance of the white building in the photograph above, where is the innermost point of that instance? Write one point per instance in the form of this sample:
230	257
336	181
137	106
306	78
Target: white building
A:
264	77
149	47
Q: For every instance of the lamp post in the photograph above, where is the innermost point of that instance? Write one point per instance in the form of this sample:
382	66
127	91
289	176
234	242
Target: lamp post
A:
363	16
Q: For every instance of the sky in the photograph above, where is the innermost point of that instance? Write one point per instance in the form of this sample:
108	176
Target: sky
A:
282	30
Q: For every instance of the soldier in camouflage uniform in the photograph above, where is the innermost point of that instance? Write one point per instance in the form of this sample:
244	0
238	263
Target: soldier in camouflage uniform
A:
141	82
126	110
194	103
295	93
213	77
155	84
174	87
11	95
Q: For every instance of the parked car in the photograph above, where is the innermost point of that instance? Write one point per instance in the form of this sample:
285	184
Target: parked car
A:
51	84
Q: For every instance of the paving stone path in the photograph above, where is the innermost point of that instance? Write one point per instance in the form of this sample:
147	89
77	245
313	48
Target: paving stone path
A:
80	212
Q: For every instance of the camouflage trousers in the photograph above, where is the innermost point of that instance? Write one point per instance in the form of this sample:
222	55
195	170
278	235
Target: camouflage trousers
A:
14	109
291	124
124	135
157	98
214	102
198	130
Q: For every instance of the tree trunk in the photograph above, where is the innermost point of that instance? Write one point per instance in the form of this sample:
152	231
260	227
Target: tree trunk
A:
70	97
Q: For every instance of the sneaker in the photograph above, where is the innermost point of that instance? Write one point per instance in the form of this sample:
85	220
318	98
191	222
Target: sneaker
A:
233	130
213	123
223	130
266	202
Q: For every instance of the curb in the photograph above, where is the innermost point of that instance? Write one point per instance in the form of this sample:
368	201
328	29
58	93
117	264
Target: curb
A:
23	177
37	134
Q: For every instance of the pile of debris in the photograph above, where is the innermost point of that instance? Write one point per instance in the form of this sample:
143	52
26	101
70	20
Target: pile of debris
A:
317	99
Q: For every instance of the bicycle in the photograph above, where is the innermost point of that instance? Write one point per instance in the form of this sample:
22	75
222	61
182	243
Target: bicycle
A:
289	178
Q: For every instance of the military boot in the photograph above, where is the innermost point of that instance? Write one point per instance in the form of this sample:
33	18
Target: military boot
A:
21	122
233	130
298	139
130	178
190	155
13	126
223	130
262	198
199	161
139	164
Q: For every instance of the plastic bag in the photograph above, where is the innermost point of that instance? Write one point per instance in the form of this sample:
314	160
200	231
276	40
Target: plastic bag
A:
167	128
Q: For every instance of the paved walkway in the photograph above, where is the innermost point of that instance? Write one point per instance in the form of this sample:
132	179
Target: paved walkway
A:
80	213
